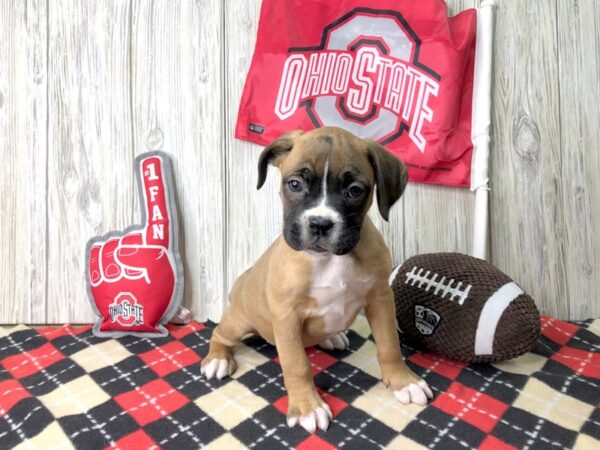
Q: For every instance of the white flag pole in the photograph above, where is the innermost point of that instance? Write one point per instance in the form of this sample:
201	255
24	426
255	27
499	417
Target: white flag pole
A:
480	125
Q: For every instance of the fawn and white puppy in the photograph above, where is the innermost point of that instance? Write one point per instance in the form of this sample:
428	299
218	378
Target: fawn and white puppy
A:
329	262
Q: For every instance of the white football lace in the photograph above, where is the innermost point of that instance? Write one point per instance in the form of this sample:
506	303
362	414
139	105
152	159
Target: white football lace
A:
442	288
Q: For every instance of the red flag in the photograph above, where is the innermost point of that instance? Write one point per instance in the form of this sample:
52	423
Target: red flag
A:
396	71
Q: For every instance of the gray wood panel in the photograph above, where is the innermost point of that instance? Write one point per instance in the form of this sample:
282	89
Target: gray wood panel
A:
23	158
253	217
86	86
527	221
579	90
90	184
177	107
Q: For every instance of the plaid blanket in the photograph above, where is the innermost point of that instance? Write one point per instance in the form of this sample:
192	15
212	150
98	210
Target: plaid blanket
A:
61	387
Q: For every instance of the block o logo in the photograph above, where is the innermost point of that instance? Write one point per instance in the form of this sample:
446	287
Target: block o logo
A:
364	76
125	310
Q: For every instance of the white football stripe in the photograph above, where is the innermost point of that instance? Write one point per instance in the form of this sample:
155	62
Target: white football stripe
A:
490	316
393	275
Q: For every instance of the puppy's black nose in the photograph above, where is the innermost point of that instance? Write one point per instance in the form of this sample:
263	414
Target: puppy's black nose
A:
319	225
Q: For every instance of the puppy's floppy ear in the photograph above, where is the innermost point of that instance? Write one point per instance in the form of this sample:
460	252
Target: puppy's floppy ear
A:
391	177
274	153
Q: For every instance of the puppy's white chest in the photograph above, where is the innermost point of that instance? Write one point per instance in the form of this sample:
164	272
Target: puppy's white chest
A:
339	289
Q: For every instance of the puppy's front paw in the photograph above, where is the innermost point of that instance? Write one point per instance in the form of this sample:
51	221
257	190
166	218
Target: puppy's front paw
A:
338	342
310	412
417	393
217	367
406	385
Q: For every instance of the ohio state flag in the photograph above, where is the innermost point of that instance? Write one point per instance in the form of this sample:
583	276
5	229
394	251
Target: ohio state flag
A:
397	71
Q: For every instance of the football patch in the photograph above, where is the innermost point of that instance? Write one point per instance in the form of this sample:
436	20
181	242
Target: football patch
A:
426	320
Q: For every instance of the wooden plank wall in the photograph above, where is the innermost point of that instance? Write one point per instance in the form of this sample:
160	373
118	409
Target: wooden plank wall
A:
86	86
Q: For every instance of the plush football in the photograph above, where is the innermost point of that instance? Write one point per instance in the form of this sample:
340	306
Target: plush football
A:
463	308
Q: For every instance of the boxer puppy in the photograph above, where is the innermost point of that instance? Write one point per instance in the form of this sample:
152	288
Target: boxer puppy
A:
330	262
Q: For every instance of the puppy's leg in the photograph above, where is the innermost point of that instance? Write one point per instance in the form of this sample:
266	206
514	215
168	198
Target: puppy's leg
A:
406	385
305	405
219	362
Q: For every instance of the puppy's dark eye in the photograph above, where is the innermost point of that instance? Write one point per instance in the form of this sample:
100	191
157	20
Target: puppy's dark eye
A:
355	191
295	185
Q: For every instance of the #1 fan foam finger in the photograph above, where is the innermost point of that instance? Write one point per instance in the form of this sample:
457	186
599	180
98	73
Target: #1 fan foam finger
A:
135	276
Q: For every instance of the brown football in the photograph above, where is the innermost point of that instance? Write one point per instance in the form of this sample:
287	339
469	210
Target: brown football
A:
463	308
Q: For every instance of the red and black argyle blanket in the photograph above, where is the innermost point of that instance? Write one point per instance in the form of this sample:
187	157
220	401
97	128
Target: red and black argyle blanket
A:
61	387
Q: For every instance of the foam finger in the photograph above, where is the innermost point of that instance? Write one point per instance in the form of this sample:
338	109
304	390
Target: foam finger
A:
94	265
109	265
156	196
134	273
138	258
132	239
128	247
